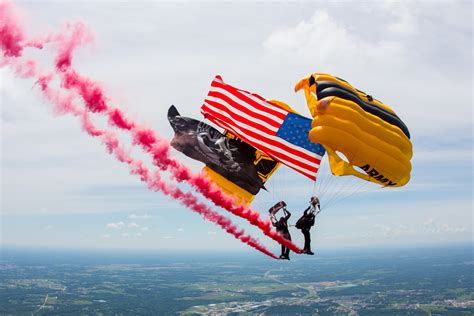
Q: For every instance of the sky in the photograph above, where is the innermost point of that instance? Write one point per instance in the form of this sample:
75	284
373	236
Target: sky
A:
59	187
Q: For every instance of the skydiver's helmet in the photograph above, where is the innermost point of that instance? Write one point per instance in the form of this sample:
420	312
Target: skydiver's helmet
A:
314	202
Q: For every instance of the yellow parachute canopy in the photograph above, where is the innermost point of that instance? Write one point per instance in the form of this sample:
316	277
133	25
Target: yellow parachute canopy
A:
367	132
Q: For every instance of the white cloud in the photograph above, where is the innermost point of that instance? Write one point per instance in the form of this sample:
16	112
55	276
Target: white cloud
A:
180	229
105	236
168	237
428	222
139	216
48	227
400	66
211	233
393	230
434	227
326	42
146	228
138	235
405	222
117	225
133	225
125	235
380	233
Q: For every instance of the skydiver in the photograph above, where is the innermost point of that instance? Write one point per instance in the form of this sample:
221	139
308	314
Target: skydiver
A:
306	221
282	227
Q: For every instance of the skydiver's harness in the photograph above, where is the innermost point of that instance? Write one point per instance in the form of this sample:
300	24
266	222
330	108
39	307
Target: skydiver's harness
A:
306	221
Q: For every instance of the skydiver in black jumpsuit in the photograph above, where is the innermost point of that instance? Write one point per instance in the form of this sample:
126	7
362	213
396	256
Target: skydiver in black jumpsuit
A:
282	227
305	223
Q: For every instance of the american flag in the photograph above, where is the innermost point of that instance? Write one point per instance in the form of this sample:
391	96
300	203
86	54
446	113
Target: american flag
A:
281	134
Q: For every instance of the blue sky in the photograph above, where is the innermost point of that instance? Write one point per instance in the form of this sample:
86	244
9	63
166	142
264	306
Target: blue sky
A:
60	188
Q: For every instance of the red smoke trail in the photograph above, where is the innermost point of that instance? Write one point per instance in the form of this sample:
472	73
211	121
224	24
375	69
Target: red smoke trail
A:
11	34
95	100
64	104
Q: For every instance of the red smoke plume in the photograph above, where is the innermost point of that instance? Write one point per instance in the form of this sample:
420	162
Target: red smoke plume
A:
64	104
155	183
95	100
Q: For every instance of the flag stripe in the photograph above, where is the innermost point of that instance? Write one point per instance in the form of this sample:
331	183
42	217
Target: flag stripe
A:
257	122
234	114
274	154
284	146
274	120
243	117
274	146
250	99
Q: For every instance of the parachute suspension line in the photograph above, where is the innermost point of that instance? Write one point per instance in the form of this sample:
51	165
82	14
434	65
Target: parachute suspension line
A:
356	193
361	187
321	178
351	185
345	186
336	190
323	174
356	187
315	189
317	182
315	186
328	183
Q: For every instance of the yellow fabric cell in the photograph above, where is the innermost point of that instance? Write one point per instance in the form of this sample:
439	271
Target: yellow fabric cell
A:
347	110
327	77
359	154
352	129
